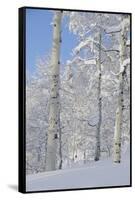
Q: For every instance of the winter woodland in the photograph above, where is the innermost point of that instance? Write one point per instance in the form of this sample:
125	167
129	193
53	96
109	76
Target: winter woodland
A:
78	113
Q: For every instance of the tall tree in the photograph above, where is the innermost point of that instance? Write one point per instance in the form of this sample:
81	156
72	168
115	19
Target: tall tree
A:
53	129
119	112
90	35
97	150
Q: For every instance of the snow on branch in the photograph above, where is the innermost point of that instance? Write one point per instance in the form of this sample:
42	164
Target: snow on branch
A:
126	62
88	41
123	66
107	51
91	61
113	29
117	29
87	62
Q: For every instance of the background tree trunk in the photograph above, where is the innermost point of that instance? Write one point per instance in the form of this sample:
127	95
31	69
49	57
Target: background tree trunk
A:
119	111
53	129
97	150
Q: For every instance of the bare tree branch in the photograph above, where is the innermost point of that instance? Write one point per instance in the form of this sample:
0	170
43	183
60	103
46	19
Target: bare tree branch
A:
112	32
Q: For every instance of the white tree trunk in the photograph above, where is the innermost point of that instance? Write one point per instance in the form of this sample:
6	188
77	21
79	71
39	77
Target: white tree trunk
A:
53	129
119	111
97	150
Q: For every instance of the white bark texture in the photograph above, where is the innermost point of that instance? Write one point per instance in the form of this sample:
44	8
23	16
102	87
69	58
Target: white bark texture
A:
97	150
119	111
53	129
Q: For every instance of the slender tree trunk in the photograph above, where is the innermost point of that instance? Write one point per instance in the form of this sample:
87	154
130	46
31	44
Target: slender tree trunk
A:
60	144
119	111
53	128
97	150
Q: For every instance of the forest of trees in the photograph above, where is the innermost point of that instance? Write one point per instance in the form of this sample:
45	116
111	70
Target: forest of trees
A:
80	112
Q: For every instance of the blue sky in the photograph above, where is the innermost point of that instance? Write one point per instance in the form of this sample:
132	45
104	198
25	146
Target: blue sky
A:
39	37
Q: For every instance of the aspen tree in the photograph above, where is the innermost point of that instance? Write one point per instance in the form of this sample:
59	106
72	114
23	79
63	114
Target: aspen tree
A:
119	111
53	129
97	150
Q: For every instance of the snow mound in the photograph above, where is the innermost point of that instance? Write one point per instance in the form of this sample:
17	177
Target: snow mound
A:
97	174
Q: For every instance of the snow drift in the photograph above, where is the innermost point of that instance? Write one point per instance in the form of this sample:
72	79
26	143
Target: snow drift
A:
97	174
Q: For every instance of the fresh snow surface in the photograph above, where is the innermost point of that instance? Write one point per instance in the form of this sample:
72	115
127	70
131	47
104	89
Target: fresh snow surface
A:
95	174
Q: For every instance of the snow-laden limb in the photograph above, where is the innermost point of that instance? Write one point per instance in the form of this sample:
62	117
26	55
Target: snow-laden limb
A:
114	73
90	62
118	28
88	42
84	61
126	62
113	29
122	68
120	72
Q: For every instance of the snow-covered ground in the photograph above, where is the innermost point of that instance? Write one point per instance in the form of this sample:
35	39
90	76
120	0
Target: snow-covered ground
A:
97	174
